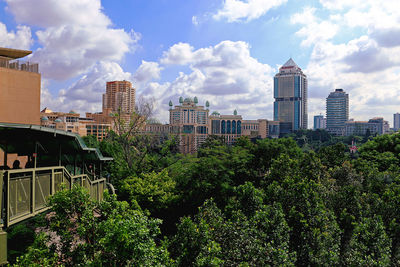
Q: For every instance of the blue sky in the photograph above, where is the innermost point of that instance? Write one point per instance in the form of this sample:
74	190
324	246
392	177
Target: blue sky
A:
224	51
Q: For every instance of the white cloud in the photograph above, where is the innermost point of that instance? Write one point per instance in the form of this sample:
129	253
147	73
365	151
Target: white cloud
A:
195	20
224	74
55	13
341	4
366	56
361	68
364	60
148	71
314	30
180	54
20	39
71	50
75	35
238	10
85	95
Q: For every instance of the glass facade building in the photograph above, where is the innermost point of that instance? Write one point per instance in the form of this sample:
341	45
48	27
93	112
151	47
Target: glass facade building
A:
337	111
396	121
319	122
290	93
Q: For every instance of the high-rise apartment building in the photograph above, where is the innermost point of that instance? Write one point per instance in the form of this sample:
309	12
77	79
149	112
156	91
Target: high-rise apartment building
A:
120	95
337	112
319	122
19	88
290	93
396	121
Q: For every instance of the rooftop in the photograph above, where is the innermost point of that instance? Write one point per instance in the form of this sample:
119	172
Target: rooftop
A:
13	53
289	64
46	110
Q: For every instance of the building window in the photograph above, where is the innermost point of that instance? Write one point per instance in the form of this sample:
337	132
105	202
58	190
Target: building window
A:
228	127
188	129
239	127
234	127
223	127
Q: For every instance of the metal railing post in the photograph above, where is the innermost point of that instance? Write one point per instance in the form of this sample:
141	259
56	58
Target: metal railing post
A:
1	198
33	190
52	178
7	201
3	248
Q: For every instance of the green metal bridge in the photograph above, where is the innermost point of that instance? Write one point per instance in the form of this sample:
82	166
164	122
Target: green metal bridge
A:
54	158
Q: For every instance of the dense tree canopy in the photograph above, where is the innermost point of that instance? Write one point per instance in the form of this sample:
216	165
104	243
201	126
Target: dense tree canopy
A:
304	200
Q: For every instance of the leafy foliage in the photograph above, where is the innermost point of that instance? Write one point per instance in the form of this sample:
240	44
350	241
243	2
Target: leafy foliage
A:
152	191
212	239
82	232
297	201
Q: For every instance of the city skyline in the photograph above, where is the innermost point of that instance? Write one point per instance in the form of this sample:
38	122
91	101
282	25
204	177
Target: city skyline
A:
224	51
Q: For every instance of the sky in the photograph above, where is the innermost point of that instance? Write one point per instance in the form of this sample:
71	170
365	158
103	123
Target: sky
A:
223	51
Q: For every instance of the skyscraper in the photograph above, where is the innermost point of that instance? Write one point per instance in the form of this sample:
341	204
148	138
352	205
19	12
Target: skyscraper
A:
119	95
290	93
396	121
319	122
337	111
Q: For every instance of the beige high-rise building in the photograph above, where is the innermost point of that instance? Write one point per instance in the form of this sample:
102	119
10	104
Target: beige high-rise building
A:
190	122
120	95
19	88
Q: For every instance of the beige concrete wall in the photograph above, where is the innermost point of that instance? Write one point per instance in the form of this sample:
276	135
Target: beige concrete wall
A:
263	128
19	96
11	158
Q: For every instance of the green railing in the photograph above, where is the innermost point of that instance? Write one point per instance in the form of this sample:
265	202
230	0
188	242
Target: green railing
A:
24	192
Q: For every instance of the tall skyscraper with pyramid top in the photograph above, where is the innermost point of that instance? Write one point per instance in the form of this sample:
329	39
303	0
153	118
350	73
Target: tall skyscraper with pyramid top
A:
290	93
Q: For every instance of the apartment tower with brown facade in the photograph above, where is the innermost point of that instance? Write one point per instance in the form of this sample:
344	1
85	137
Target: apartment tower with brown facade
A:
119	96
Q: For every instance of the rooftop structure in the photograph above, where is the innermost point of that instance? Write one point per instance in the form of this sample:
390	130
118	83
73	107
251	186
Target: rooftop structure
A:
13	53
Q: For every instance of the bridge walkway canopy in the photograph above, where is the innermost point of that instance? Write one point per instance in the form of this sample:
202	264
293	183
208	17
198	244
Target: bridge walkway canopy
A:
54	158
48	147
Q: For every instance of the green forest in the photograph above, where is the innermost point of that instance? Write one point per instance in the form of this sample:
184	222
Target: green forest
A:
303	200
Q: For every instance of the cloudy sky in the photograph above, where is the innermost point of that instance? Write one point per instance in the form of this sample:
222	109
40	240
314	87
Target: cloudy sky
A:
223	51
